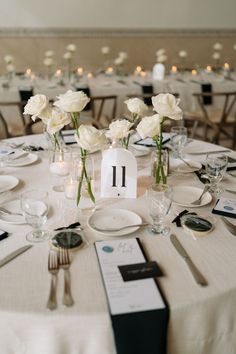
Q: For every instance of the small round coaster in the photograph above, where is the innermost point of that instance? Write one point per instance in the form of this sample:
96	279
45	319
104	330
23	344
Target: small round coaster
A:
68	239
198	225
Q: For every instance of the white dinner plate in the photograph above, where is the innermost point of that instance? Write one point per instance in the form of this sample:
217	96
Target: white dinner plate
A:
185	195
114	218
177	165
7	183
25	161
14	207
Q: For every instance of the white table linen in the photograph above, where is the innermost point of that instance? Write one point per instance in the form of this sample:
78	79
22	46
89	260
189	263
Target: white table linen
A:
202	320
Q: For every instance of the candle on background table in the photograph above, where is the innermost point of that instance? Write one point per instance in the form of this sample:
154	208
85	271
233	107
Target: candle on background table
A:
109	70
89	75
209	69
194	72
226	67
174	69
138	70
80	71
58	73
28	72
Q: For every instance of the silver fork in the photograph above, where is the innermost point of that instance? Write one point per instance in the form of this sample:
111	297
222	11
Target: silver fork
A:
64	262
53	268
198	201
118	228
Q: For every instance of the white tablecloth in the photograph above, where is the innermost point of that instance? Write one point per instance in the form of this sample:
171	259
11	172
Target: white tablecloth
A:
202	320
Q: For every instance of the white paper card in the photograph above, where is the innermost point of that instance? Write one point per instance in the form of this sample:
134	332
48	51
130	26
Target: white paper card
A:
118	174
126	297
226	205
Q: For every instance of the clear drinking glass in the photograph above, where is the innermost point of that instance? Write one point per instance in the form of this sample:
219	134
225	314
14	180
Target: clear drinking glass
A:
60	166
34	204
216	166
178	137
159	204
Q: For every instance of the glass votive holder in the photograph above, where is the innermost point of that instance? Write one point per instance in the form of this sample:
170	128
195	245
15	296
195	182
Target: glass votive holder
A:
70	188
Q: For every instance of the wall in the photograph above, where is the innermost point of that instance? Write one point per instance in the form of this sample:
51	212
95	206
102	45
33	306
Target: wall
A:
29	28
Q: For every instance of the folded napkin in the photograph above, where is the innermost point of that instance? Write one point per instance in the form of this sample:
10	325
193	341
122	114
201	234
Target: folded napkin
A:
146	90
71	226
207	88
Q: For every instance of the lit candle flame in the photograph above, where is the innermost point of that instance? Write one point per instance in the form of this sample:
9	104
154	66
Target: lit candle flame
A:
138	69
58	73
80	71
194	72
90	75
143	73
174	69
109	70
28	72
208	68
226	66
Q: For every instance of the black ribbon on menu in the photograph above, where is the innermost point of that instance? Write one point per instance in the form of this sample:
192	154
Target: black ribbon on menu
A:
142	332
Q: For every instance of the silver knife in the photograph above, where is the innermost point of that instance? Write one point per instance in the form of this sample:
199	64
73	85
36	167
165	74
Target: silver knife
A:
14	255
207	152
195	272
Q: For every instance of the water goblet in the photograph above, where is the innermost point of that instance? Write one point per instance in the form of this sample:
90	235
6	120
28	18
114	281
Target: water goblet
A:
159	203
178	136
216	166
34	204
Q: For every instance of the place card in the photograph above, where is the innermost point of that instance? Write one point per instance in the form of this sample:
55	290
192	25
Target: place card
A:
140	271
139	313
225	207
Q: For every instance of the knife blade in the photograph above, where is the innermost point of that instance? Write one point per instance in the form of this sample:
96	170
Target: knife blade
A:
207	152
14	254
199	278
231	227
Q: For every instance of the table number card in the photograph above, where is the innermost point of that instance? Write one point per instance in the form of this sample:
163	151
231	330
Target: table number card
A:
118	174
225	207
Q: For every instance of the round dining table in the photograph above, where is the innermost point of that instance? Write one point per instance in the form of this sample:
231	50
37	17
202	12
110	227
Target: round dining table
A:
202	319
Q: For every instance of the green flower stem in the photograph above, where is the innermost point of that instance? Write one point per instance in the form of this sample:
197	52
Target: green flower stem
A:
160	173
84	153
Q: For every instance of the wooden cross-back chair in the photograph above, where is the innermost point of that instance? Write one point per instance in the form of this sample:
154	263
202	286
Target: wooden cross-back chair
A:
215	122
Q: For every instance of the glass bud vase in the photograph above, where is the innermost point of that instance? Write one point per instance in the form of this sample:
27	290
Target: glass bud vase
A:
160	166
83	173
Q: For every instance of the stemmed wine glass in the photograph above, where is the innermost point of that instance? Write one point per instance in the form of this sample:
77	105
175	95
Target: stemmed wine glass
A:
216	166
159	204
34	204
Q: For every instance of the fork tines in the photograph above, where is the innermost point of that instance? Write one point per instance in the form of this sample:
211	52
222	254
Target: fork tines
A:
64	256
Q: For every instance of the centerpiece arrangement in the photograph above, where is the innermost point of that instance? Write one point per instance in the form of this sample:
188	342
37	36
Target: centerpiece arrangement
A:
67	110
165	106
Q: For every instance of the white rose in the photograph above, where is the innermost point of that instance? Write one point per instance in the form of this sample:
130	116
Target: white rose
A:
161	58
48	61
119	129
123	55
217	46
72	101
119	61
149	127
8	59
105	50
166	105
71	47
10	68
36	105
49	53
183	54
160	52
90	138
216	56
135	105
57	120
67	55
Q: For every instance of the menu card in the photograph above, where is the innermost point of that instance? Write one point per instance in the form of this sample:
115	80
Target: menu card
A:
225	207
126	297
138	311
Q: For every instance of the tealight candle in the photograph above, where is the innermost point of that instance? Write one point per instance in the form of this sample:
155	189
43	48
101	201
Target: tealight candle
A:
60	168
89	75
71	188
58	73
194	72
80	71
174	69
109	70
143	73
226	66
28	72
208	69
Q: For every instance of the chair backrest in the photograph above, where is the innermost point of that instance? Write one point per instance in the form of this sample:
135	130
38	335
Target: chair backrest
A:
228	102
25	94
20	107
103	107
4	132
86	90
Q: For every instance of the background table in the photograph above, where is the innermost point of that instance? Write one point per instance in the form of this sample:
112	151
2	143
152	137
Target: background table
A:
202	320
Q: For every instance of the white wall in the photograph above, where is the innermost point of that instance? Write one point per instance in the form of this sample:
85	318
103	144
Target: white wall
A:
157	14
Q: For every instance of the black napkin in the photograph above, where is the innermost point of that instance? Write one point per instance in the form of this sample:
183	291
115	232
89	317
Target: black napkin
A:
147	89
207	88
